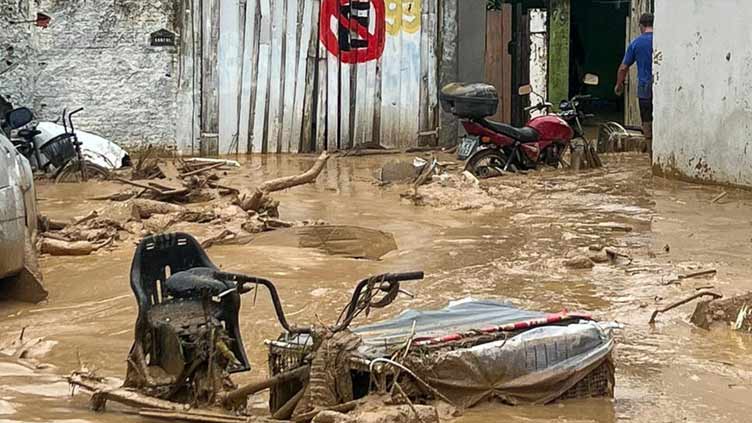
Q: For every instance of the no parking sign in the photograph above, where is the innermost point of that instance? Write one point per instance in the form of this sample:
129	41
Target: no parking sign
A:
353	30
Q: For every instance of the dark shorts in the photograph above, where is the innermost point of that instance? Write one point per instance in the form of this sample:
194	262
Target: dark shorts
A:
646	110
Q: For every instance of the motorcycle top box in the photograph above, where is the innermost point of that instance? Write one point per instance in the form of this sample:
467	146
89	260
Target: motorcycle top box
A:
472	101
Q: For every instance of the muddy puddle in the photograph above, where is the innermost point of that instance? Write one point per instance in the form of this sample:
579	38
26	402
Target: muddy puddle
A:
666	373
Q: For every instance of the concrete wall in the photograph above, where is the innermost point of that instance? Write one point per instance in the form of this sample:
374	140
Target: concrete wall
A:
17	50
96	54
703	90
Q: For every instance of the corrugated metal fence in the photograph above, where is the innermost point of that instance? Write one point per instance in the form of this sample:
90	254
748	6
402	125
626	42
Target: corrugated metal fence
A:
307	75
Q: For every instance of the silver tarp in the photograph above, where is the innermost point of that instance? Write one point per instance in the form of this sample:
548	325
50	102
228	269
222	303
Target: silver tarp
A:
535	366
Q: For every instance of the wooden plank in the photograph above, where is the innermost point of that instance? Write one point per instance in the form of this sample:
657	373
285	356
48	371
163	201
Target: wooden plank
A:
276	81
433	63
322	106
376	128
494	61
506	64
210	81
558	50
229	75
345	142
262	84
290	67
185	132
311	93
370	102
361	99
332	112
197	76
391	73
250	45
425	30
410	77
304	85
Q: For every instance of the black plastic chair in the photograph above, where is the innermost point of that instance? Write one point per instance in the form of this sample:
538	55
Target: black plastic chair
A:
178	252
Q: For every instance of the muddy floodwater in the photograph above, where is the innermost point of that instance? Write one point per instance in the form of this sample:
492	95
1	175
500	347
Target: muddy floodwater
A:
670	372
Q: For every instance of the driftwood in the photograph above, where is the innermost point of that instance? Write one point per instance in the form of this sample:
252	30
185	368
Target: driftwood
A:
290	181
202	170
58	247
102	392
194	416
259	199
146	208
682	302
698	274
241	394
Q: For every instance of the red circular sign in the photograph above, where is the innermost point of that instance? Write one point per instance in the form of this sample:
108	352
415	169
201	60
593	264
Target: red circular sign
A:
353	42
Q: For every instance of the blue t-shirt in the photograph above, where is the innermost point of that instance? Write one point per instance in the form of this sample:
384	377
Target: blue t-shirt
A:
641	51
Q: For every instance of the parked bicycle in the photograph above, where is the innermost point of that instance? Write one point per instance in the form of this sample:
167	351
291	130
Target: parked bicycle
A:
61	157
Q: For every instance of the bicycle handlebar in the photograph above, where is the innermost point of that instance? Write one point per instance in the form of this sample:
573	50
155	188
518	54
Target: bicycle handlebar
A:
401	277
241	280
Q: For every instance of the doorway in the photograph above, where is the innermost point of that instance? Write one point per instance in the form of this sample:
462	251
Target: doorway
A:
598	43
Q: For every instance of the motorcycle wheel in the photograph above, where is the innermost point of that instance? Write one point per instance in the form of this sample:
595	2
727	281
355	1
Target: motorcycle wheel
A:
486	163
71	172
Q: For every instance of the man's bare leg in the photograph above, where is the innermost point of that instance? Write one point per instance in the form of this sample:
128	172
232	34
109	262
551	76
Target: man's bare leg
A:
647	130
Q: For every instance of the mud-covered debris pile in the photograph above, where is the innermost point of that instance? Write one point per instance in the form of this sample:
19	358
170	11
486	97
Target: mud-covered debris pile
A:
458	192
735	312
183	199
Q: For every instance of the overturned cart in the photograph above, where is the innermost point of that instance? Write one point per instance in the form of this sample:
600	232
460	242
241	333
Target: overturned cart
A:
468	352
187	344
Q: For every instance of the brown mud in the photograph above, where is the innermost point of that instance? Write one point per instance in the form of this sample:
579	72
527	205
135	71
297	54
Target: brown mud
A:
513	246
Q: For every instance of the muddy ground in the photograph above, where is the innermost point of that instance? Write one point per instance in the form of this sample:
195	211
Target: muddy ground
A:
510	246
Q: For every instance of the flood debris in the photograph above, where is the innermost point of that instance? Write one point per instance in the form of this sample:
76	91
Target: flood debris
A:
682	302
188	193
58	247
347	241
459	193
719	197
733	311
187	344
397	171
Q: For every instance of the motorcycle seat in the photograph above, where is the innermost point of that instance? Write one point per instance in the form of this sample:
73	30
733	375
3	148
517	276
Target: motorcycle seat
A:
526	134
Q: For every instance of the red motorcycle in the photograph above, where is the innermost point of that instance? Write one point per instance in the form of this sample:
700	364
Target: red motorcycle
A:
492	148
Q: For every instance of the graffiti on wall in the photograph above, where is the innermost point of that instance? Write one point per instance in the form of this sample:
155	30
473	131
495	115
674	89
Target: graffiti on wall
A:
355	30
402	15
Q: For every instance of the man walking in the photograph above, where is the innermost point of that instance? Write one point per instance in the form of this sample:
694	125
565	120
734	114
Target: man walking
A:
641	51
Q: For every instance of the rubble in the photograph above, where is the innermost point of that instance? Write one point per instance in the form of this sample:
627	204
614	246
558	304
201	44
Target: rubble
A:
734	311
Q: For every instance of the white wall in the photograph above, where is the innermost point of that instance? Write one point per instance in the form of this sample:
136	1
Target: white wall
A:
703	90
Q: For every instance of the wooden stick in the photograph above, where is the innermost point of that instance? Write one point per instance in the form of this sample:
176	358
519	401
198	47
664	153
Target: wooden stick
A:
103	392
201	170
191	416
285	412
240	394
698	274
137	184
682	302
719	197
